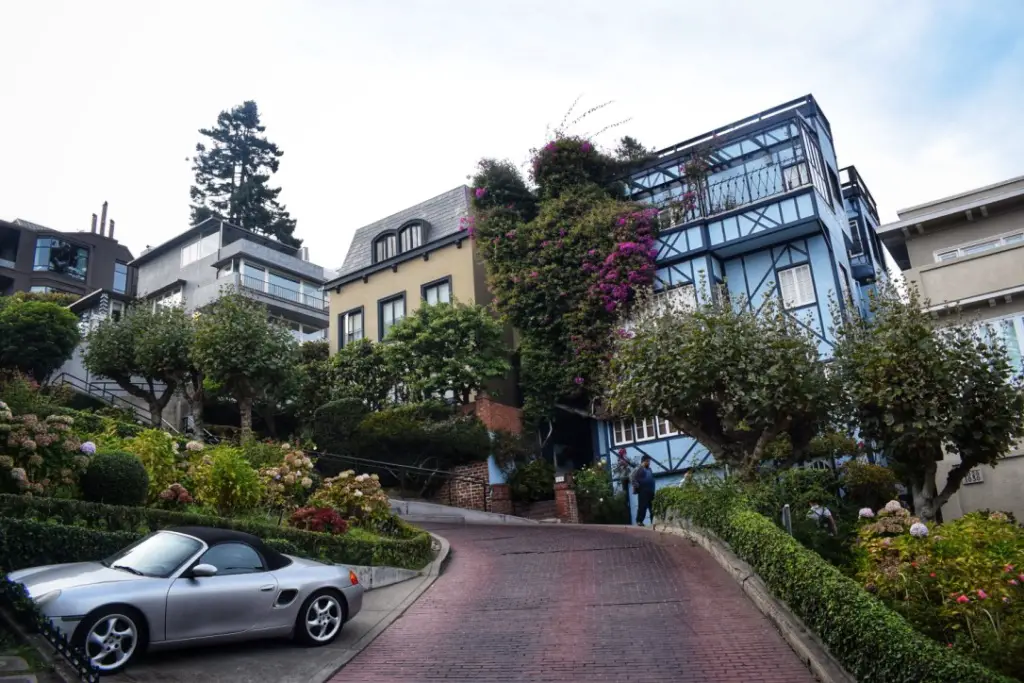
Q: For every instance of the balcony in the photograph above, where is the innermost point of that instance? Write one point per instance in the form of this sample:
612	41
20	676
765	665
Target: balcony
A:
862	269
971	277
314	302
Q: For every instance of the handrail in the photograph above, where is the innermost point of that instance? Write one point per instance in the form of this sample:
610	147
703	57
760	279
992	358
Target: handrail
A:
98	390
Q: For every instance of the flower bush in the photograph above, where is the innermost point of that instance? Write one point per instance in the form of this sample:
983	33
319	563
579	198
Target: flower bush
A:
288	484
358	498
157	451
959	582
598	503
174	497
40	457
323	520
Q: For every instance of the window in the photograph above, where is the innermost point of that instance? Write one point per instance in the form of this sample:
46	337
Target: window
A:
666	428
200	248
438	292
797	286
1009	331
159	554
795	176
226	270
391	311
410	237
622	432
233	558
856	247
682	298
41	289
384	248
284	287
969	249
646	429
350	326
170	299
120	277
58	256
116	310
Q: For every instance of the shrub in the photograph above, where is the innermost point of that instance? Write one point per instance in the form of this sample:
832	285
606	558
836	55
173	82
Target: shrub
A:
261	454
598	503
174	496
532	481
410	548
427	434
43	455
24	396
36	337
32	543
868	485
155	449
282	546
961	582
356	497
872	642
225	481
115	478
335	422
287	483
322	520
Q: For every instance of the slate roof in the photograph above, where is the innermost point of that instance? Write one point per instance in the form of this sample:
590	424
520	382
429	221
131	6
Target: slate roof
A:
441	213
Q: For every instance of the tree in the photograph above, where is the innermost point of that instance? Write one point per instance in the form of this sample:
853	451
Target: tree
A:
632	151
366	371
449	347
242	352
145	344
36	337
231	176
732	376
918	391
315	380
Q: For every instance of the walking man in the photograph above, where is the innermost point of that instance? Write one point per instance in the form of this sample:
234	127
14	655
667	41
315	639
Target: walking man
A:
643	487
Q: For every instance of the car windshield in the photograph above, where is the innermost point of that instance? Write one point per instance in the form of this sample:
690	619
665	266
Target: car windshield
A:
158	554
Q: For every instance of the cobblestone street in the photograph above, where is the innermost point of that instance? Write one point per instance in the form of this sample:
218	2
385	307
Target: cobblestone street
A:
573	603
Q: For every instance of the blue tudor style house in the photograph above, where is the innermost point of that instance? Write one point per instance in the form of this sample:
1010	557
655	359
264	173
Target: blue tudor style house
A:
775	215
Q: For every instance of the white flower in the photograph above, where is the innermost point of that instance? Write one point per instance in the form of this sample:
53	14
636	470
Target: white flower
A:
893	506
194	446
866	512
361	477
358	494
919	530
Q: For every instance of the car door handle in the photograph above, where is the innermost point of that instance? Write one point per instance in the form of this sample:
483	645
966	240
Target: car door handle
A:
268	588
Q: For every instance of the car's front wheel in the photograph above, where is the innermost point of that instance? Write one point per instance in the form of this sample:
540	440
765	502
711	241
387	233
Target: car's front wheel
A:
321	618
111	637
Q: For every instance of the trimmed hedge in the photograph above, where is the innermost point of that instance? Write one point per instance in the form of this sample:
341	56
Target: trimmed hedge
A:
31	543
413	551
871	641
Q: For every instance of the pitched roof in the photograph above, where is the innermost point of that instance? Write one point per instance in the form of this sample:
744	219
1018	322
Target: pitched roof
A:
441	213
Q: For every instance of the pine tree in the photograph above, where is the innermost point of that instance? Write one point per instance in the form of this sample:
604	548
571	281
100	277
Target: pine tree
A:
232	172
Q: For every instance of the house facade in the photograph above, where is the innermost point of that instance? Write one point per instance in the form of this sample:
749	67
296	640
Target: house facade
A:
966	253
422	255
34	258
775	216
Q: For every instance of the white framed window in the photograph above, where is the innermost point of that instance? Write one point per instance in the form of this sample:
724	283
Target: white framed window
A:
175	297
438	292
384	248
666	428
622	432
646	428
856	246
351	327
411	237
978	247
796	286
200	248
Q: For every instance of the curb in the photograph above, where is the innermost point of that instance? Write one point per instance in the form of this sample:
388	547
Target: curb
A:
429	575
60	668
805	643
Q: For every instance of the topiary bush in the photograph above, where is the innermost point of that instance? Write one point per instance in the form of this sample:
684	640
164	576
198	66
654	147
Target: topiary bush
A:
872	642
115	478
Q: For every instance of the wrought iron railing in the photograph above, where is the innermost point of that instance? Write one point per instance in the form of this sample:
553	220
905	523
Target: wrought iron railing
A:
314	302
19	606
101	390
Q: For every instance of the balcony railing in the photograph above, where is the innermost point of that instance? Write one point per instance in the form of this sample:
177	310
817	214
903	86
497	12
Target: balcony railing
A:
6	263
727	194
315	302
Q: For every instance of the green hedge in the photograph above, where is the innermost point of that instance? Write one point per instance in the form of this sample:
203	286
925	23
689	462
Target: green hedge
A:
871	641
31	543
412	552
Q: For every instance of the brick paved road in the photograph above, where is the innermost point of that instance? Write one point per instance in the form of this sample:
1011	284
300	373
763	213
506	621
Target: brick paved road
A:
571	603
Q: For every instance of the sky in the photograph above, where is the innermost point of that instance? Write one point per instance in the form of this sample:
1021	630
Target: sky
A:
381	105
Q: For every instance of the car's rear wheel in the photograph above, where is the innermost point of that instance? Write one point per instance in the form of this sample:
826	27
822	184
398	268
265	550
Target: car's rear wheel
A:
321	618
111	637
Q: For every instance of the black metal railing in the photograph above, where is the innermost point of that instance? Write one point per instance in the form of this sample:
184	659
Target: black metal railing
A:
710	199
102	391
315	302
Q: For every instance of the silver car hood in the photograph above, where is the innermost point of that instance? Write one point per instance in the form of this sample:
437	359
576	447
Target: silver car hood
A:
41	580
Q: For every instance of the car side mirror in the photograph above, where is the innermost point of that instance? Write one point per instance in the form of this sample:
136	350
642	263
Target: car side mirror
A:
201	570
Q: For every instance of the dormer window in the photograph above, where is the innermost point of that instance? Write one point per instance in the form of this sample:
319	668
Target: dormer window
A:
384	248
410	237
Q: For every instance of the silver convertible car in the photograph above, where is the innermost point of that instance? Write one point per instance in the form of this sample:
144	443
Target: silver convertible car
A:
191	586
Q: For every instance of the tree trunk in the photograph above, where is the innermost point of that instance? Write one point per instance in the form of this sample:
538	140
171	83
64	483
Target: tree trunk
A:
196	411
156	414
245	411
924	494
268	419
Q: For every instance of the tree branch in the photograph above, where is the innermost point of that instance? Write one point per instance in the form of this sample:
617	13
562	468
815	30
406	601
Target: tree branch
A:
953	481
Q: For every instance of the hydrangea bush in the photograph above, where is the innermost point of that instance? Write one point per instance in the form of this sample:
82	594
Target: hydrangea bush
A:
288	484
39	456
357	497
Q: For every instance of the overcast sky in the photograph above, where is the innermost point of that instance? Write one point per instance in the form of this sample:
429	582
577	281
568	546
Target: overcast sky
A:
381	104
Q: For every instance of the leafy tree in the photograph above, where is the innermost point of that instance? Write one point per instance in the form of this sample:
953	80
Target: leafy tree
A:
498	183
59	298
36	337
918	392
366	371
242	352
315	380
231	176
733	377
279	398
147	344
449	347
632	151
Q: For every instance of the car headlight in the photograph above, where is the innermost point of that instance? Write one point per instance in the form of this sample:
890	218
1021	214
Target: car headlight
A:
47	597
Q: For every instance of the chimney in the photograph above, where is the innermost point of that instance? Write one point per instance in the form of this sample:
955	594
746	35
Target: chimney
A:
111	233
94	219
103	220
304	253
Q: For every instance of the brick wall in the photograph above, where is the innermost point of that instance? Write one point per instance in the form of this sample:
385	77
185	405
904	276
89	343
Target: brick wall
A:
565	500
467	489
496	416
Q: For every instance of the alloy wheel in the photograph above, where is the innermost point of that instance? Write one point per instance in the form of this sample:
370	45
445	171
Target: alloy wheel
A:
323	618
111	642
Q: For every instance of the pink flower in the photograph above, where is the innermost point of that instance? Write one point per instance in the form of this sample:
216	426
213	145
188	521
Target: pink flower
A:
932	575
578	380
480	192
1008	568
1014	582
962	599
534	274
982	594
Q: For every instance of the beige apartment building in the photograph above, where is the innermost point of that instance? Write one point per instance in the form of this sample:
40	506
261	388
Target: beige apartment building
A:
967	251
419	256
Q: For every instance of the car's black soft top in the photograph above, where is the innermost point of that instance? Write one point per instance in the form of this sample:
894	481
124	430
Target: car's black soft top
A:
212	536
